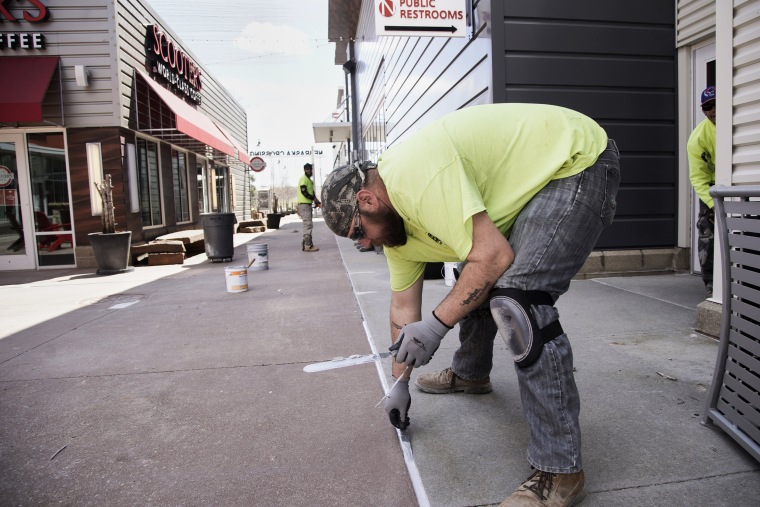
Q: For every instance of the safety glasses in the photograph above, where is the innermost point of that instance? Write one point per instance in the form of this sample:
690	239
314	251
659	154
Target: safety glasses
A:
708	106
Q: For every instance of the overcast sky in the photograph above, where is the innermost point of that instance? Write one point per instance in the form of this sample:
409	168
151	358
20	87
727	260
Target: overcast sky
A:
273	57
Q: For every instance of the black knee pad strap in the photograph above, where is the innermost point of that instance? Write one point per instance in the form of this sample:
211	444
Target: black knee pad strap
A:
540	336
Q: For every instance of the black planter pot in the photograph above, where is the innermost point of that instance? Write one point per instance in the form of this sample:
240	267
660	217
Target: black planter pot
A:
273	220
111	251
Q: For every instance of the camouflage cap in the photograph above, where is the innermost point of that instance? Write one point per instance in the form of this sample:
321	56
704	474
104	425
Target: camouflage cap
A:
339	198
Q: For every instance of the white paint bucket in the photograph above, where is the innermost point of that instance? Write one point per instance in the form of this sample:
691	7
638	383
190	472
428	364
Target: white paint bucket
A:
259	252
448	273
237	278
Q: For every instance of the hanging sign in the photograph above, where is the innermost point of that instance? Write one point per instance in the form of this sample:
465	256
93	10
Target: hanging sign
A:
258	164
422	18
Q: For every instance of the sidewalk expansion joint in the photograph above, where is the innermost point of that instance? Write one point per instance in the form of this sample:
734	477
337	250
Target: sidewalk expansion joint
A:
126	374
680	481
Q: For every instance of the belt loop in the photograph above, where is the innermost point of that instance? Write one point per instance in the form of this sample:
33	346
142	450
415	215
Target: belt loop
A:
612	144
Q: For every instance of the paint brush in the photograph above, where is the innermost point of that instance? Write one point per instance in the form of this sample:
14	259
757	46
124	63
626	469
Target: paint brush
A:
394	385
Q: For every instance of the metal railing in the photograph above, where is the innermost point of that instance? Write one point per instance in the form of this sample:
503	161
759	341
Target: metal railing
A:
733	401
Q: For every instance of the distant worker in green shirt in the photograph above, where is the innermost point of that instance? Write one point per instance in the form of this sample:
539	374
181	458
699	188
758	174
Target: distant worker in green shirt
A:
701	150
520	193
306	197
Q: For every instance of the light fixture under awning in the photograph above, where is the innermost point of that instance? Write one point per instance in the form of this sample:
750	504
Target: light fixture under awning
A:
24	80
332	132
190	121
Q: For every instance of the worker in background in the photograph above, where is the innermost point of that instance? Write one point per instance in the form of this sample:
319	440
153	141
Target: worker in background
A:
701	151
307	197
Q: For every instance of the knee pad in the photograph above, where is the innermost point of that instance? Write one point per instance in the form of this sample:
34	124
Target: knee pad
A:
510	309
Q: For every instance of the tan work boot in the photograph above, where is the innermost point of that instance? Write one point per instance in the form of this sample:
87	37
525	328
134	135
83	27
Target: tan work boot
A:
446	381
307	245
544	489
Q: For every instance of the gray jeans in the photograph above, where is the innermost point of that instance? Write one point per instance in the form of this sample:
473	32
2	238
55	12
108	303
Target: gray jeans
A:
304	211
552	238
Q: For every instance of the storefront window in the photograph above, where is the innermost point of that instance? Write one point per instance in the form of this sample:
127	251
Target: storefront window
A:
200	168
50	199
179	178
150	182
220	182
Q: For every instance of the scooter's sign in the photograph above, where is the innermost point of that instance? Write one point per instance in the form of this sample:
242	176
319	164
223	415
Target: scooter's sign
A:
174	65
431	18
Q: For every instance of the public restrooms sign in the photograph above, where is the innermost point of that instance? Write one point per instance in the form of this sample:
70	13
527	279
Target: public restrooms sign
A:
172	64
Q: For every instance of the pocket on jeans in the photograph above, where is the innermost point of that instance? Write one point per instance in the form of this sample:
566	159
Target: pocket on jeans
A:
612	176
597	190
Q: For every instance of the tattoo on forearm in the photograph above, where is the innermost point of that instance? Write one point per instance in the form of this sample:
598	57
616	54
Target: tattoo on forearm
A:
396	326
474	295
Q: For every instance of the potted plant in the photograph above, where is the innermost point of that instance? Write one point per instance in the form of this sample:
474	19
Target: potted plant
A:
110	248
273	219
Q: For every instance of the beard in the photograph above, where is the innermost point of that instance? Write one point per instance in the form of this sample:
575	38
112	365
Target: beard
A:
392	230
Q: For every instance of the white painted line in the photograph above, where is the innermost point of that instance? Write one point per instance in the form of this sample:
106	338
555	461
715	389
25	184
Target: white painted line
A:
342	362
123	305
406	447
403	438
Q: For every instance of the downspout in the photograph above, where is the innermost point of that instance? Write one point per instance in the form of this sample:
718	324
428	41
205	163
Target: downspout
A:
350	68
348	108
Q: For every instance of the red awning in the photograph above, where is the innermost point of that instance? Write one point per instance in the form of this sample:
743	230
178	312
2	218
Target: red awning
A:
24	80
242	153
190	121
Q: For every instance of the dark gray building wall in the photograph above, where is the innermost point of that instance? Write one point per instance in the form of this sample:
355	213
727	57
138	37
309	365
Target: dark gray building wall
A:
615	62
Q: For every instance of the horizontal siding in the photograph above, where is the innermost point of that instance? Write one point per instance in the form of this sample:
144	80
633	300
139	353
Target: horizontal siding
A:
217	102
746	92
418	79
615	62
79	33
639	12
695	21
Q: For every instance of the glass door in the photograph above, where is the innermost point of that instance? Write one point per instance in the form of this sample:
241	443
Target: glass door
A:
51	202
16	222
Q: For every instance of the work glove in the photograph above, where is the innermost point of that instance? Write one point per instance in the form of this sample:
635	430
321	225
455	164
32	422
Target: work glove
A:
419	340
397	405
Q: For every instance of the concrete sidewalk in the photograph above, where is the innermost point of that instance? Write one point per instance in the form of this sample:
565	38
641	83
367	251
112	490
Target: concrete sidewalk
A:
158	387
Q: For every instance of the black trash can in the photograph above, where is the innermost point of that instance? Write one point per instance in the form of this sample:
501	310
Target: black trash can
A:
218	229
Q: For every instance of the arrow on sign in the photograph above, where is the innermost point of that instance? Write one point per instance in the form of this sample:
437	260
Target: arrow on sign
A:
451	29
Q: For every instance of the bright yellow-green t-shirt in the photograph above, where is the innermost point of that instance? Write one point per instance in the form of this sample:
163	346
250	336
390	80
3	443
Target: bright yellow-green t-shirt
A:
491	158
701	150
305	181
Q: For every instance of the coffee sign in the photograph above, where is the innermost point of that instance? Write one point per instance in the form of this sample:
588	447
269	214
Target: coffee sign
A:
33	12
